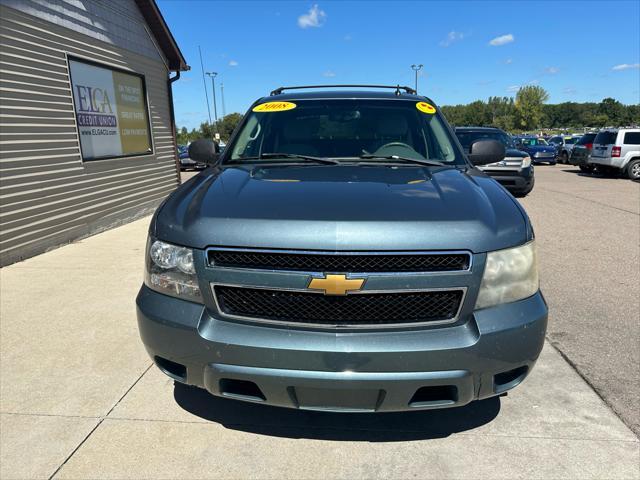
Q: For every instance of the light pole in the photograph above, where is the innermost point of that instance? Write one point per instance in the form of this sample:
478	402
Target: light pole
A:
224	111
414	67
213	87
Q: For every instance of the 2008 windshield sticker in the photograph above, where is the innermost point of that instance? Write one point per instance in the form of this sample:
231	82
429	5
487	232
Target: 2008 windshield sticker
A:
424	107
274	107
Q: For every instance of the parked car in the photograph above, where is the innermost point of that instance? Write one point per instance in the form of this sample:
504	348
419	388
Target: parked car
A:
515	172
343	254
564	144
185	161
618	150
581	152
537	148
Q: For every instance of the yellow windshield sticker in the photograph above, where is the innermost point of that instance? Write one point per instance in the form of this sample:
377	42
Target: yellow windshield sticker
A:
425	107
274	107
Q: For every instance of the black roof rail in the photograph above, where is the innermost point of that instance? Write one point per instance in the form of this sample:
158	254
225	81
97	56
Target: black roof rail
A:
397	88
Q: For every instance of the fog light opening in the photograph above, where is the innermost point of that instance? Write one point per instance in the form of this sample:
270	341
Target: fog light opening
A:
241	389
434	396
509	379
173	369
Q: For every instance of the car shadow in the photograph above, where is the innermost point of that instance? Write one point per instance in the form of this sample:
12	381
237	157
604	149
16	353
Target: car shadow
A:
596	174
369	427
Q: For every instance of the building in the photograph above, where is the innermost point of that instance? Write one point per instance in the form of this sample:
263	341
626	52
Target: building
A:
87	136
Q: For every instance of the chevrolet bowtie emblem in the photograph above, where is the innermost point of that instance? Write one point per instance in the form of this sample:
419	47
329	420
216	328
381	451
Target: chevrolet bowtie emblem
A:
336	284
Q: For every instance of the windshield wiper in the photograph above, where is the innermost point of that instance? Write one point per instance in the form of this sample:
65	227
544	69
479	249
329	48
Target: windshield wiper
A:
429	163
295	156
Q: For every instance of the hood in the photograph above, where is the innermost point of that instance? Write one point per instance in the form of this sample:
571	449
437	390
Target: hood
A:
541	148
342	208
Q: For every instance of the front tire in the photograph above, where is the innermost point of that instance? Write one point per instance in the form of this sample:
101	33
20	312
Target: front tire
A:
633	170
564	158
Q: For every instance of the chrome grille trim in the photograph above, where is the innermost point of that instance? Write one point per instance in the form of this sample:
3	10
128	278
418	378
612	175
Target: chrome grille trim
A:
340	253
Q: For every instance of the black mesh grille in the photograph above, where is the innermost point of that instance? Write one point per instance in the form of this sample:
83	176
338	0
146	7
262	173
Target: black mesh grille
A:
340	263
355	309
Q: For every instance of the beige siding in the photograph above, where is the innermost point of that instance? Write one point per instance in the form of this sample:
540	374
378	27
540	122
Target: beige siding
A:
48	196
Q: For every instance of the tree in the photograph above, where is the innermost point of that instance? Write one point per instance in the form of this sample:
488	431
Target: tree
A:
613	109
529	103
228	124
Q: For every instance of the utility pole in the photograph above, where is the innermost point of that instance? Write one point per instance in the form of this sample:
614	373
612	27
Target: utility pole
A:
213	76
224	111
416	68
204	82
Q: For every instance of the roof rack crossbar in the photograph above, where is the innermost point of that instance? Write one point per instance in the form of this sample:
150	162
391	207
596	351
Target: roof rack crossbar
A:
397	88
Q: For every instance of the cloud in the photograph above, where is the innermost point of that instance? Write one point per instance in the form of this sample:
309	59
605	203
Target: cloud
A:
569	90
329	74
233	63
626	66
551	70
348	38
452	37
508	61
513	88
484	83
313	18
502	40
533	82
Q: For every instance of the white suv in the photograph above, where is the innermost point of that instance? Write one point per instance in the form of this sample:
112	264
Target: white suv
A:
618	149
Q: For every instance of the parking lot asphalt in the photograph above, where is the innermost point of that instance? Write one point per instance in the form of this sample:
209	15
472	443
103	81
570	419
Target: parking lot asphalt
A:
79	398
588	234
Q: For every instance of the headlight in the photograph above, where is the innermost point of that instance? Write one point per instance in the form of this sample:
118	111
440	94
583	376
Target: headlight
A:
526	162
169	269
509	275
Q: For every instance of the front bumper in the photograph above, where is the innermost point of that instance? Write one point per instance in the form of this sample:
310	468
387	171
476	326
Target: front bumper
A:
548	159
489	353
516	181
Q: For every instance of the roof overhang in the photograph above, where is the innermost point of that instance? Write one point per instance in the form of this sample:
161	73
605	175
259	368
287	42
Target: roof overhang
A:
162	34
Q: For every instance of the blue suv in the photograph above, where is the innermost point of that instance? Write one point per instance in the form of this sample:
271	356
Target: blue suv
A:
343	254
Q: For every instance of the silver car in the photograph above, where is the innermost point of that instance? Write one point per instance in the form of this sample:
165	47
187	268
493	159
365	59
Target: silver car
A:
564	144
618	150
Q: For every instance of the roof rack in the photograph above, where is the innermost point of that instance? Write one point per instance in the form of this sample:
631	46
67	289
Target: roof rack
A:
397	88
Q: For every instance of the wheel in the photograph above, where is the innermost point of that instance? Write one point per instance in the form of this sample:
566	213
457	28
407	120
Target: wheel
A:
633	169
552	163
564	158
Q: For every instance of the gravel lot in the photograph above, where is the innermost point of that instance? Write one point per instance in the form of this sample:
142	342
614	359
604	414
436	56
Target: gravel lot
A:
588	232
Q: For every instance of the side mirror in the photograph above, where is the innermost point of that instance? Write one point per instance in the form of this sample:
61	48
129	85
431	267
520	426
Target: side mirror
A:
204	151
483	152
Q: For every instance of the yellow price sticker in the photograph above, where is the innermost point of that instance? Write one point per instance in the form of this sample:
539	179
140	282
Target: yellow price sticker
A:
426	107
274	107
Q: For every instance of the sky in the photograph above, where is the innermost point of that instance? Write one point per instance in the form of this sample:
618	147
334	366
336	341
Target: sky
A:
581	51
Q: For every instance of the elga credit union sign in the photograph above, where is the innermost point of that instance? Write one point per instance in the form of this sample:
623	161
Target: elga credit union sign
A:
111	111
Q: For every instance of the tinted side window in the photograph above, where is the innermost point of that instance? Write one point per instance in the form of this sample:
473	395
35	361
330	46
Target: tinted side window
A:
588	138
632	138
555	140
606	138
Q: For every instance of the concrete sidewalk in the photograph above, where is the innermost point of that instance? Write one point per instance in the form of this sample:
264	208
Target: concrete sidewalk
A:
79	399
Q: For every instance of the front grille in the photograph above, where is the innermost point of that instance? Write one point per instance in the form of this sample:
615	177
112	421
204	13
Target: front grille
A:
354	309
353	262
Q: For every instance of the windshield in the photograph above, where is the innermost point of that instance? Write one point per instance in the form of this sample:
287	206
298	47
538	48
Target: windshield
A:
468	137
571	140
346	129
586	139
532	142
